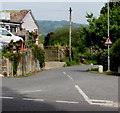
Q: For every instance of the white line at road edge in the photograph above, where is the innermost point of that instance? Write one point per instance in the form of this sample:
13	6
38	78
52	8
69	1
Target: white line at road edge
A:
96	102
69	102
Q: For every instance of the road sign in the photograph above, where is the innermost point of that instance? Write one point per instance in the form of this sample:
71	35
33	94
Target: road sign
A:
108	41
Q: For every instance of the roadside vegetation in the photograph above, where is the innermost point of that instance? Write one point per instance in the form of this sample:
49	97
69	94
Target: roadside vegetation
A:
13	53
88	42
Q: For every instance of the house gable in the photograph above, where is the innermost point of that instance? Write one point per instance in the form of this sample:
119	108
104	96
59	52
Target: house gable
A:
29	23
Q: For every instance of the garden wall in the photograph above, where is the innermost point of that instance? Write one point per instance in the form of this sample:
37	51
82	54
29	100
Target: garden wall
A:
27	64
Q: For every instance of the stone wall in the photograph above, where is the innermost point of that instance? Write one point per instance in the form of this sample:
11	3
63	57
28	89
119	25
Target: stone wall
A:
27	64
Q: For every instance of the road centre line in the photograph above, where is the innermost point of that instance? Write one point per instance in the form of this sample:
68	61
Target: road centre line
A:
68	76
30	91
64	73
33	99
6	97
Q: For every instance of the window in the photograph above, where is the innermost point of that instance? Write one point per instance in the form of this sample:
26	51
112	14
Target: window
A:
5	33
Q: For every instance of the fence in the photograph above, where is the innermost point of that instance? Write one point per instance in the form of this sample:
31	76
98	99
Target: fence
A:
56	53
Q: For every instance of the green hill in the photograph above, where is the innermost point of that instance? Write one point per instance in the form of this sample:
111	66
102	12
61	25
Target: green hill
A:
50	26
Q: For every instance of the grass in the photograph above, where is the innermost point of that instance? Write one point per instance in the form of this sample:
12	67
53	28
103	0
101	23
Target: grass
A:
95	70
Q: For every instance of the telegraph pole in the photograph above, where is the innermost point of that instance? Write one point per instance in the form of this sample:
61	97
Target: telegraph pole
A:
108	36
70	35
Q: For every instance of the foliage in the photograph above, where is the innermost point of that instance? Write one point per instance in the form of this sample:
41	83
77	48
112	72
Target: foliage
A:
38	53
47	39
97	31
65	59
42	39
102	59
94	69
15	59
32	36
72	63
61	36
115	55
89	56
7	52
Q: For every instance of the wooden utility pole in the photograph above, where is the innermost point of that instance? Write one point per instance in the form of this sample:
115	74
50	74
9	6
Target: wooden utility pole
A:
70	35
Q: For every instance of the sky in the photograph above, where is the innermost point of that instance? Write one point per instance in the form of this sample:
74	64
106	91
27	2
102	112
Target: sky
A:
57	10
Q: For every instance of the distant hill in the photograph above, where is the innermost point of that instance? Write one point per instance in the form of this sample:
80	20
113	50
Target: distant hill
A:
50	26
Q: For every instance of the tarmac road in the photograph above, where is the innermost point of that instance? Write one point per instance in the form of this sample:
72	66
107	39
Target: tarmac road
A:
61	89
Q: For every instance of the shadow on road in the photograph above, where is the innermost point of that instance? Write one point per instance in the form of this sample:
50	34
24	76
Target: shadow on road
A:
18	104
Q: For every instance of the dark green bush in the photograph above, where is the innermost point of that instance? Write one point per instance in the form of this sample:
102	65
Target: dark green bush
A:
115	55
102	59
38	53
71	63
15	59
90	56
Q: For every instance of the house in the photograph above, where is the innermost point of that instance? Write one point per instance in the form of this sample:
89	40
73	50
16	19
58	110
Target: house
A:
19	20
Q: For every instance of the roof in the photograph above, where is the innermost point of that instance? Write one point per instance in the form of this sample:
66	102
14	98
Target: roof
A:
17	15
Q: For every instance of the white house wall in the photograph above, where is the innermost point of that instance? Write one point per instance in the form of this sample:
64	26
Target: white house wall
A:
28	23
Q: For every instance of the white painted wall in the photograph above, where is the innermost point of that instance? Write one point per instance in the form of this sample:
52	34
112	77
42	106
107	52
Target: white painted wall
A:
4	15
28	23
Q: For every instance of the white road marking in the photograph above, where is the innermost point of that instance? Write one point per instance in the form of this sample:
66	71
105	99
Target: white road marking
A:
6	97
96	102
33	99
64	73
83	94
30	91
69	102
104	103
70	77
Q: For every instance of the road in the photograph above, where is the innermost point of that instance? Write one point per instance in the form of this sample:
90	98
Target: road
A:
61	89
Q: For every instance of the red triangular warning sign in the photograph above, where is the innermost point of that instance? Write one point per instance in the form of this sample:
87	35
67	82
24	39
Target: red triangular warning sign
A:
108	41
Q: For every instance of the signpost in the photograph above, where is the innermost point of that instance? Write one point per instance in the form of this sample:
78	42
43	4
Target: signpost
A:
108	42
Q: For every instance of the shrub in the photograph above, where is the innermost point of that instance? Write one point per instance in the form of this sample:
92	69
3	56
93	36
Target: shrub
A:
15	59
72	63
102	59
38	53
115	55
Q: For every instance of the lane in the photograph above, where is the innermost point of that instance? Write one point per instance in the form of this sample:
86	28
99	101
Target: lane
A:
69	86
50	85
96	86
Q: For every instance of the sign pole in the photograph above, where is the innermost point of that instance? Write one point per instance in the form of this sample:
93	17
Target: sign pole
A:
70	36
108	36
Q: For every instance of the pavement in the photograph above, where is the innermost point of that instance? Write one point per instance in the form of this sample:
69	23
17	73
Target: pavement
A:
54	64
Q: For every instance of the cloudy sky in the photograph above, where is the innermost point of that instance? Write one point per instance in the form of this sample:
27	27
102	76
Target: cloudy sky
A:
57	10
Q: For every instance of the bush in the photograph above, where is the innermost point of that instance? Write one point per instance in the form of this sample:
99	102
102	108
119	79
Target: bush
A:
115	55
72	63
38	53
102	59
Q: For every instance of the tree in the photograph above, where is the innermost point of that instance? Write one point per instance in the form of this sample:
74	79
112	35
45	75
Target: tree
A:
97	32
